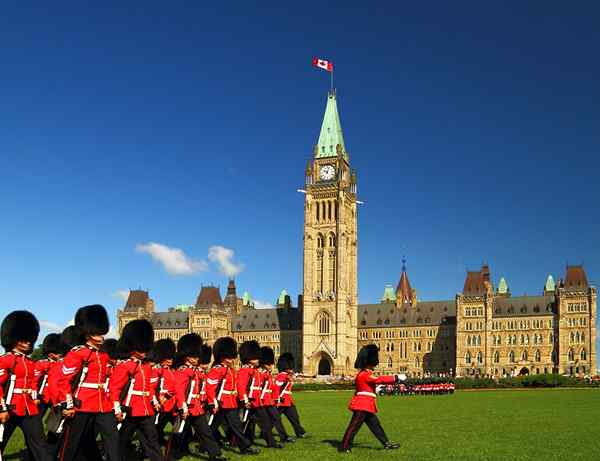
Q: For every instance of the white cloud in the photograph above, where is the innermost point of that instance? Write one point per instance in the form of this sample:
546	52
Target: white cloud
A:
174	260
111	333
262	305
50	327
223	257
121	294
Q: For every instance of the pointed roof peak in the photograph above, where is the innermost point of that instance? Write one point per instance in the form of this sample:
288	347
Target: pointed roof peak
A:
502	286
550	285
331	138
388	294
403	290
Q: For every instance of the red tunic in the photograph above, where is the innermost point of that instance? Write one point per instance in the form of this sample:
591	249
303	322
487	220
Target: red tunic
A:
25	382
52	383
189	383
166	388
283	390
43	368
139	398
364	397
92	394
245	380
266	393
221	387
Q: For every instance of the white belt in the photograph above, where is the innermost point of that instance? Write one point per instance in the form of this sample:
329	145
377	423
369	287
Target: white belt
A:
255	388
22	391
368	394
228	392
285	392
140	393
92	386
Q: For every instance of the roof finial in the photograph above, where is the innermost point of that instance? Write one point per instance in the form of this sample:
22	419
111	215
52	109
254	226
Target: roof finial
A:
403	263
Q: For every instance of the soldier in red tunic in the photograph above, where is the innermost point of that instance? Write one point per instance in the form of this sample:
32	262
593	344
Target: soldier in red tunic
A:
283	395
163	353
267	399
18	393
132	391
80	388
363	405
189	384
249	385
221	393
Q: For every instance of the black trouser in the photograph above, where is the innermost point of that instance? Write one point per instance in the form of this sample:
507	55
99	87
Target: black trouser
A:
259	416
276	421
359	417
92	423
202	432
146	432
292	415
34	435
231	417
163	419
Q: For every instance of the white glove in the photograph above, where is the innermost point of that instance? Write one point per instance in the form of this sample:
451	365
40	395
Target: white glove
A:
400	377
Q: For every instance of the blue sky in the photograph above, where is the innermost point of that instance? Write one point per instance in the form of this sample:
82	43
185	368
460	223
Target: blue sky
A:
473	128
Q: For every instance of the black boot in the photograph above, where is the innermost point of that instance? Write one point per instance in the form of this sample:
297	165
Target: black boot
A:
250	451
391	446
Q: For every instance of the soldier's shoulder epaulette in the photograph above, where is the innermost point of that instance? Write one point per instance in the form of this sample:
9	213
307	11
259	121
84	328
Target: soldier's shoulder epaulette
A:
77	348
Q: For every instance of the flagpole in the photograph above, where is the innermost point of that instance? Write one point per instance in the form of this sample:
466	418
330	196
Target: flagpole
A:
331	80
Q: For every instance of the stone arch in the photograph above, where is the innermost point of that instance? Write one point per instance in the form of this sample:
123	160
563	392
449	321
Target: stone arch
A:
524	371
323	364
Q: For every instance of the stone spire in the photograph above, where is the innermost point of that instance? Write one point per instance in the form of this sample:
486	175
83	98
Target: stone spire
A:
404	293
331	138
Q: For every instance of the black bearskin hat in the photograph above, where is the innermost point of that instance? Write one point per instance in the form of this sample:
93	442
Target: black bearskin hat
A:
92	320
138	336
206	354
110	347
267	357
71	337
224	348
368	356
19	326
285	362
53	344
190	345
249	350
163	349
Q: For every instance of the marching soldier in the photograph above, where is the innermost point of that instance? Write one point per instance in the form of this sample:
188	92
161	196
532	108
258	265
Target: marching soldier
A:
249	385
132	391
283	395
267	359
18	393
163	353
363	405
189	383
221	393
80	388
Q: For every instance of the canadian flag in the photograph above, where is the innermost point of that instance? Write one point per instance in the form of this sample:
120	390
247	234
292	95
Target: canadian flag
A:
321	63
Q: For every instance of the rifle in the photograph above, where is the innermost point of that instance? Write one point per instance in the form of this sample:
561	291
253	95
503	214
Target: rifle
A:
219	395
188	402
161	387
126	394
247	410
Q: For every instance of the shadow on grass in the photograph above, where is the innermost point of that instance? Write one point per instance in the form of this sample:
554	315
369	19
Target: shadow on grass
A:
337	444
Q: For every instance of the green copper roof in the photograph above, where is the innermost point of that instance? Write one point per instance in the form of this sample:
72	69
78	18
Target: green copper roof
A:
550	285
331	131
246	299
281	299
502	286
388	293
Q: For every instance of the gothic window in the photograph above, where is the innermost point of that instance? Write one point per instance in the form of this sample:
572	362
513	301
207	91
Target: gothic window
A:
511	357
479	340
538	356
317	210
324	323
479	358
583	354
468	358
389	363
527	340
524	355
496	357
571	355
468	340
329	210
331	269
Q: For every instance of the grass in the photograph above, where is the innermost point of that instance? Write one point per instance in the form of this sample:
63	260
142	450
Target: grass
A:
548	424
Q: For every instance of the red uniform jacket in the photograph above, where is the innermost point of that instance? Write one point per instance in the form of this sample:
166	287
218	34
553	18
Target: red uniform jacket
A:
166	388
283	390
245	381
52	383
364	397
42	369
92	394
24	389
221	387
142	395
266	392
189	383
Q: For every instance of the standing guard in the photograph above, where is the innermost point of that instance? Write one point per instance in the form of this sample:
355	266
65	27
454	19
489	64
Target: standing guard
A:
283	396
267	359
80	388
363	405
18	393
221	393
249	385
132	391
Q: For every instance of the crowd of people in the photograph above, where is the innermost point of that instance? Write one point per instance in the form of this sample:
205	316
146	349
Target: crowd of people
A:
418	388
88	387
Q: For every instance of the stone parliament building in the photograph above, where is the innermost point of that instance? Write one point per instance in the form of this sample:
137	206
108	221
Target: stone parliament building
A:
484	330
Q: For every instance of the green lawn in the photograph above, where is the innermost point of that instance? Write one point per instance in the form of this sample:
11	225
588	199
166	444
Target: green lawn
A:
486	425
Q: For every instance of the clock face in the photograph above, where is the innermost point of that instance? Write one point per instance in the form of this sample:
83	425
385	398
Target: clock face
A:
327	173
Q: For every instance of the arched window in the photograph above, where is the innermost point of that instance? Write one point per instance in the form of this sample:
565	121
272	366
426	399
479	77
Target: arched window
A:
496	357
524	355
577	337
583	354
332	240
571	355
479	340
538	356
479	358
511	357
329	210
389	363
317	210
468	340
522	340
324	322
468	358
320	241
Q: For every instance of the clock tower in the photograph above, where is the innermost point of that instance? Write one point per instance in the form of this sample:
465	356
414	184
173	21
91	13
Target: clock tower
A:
330	253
